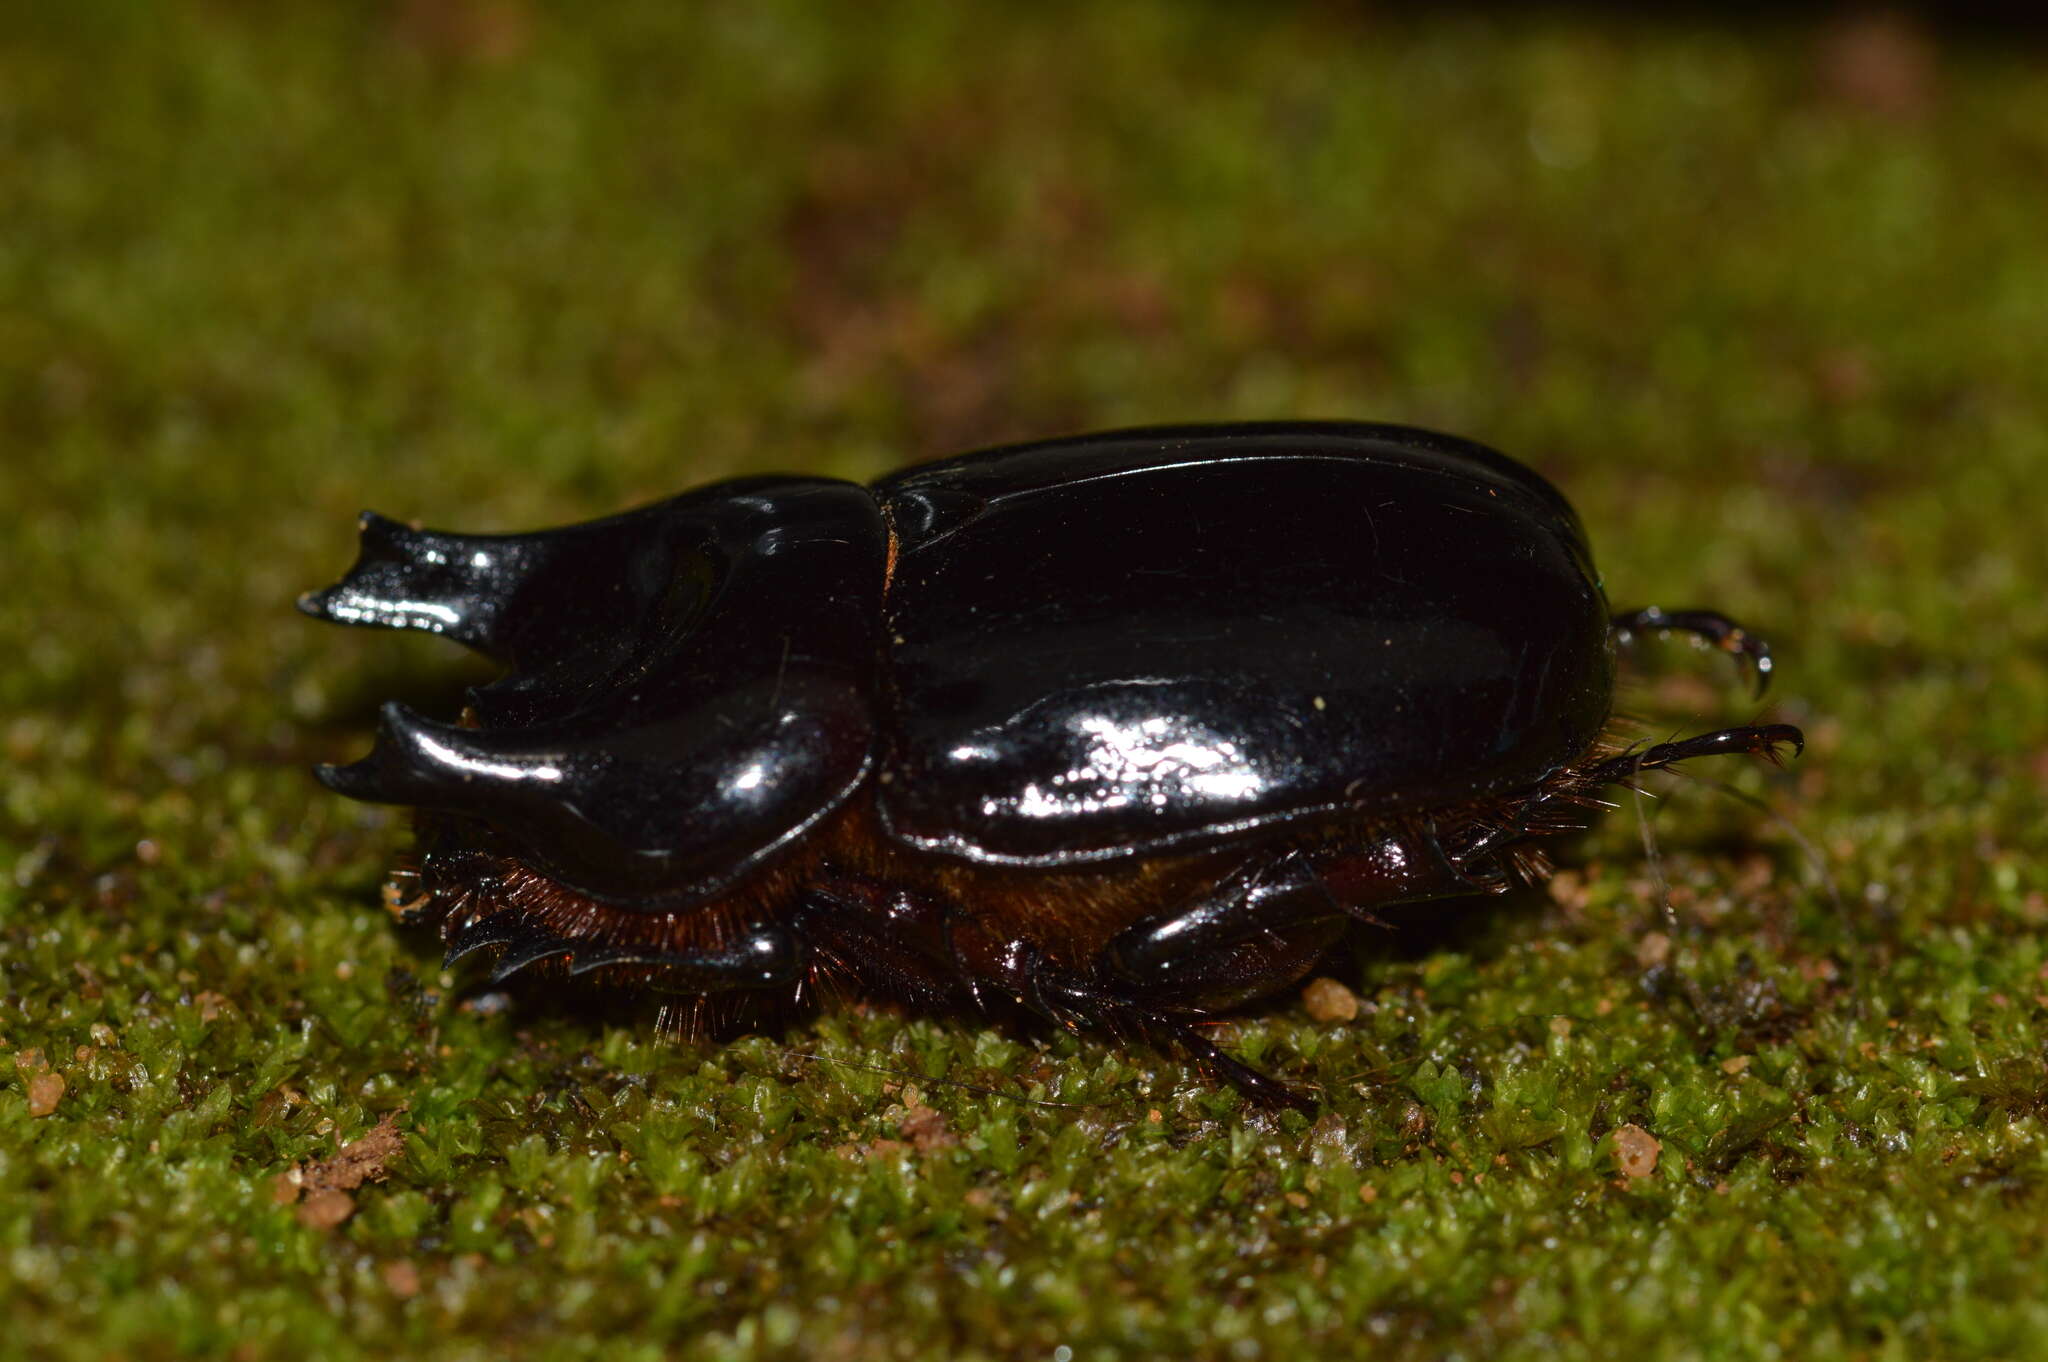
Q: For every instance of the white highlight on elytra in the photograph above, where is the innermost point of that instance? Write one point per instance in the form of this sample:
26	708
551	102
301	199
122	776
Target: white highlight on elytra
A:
1145	762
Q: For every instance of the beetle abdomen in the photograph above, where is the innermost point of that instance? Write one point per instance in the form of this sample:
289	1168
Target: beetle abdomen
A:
1105	647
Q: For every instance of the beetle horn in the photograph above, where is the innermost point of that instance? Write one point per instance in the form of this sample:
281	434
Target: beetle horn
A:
409	578
418	761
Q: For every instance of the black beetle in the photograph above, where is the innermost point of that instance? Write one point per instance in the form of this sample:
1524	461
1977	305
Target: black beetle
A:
1122	728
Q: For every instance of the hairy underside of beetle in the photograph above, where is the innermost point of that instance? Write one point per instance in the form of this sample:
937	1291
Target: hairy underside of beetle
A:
871	919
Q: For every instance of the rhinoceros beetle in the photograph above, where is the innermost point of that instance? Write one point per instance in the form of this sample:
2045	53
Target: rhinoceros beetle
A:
1123	729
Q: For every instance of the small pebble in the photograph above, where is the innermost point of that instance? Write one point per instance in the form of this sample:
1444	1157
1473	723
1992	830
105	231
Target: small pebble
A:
1568	891
45	1091
1329	1001
325	1210
1635	1151
401	1278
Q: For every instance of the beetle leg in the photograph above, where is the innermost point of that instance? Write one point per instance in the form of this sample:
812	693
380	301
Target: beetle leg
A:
1260	930
1073	1000
887	939
1263	928
761	956
1548	811
920	946
1760	741
1414	867
1261	1088
1711	627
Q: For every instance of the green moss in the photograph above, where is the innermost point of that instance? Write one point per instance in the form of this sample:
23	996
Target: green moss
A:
1779	328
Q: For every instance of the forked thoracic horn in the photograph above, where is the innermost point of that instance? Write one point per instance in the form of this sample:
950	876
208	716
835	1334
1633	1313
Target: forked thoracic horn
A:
406	578
434	765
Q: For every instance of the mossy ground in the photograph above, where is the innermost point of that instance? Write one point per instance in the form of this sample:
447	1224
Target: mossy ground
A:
1770	300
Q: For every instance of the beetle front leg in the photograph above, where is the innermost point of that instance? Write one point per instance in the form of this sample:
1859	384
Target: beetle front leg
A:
1711	627
758	956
